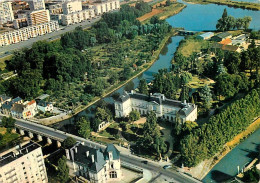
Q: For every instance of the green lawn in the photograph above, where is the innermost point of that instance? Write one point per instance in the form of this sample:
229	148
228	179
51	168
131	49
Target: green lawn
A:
7	137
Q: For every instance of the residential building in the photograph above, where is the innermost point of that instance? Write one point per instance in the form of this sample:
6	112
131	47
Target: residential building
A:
226	41
20	23
44	106
106	6
77	17
26	33
221	36
55	8
25	110
94	164
4	98
23	163
71	6
36	5
8	104
205	36
164	108
6	12
240	40
38	17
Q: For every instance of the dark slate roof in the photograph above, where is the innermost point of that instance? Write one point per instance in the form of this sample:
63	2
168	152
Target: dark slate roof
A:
186	110
43	103
123	98
4	97
223	35
18	108
82	158
17	99
113	149
7	105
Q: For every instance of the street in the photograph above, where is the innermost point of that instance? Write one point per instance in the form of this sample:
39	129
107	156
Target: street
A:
7	50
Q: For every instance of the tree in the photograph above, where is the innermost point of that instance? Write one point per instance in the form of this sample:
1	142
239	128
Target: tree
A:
134	115
83	125
246	22
8	122
68	142
103	114
143	88
168	3
206	96
94	124
63	170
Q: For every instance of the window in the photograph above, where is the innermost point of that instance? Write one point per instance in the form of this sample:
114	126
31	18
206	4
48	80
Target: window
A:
113	174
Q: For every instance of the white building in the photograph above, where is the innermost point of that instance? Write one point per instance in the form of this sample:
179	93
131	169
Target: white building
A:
6	12
106	6
163	107
77	17
94	164
38	17
36	5
23	163
71	6
44	106
26	33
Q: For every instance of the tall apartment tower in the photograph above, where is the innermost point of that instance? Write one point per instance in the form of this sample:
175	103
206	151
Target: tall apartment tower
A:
23	163
6	12
36	5
71	6
38	17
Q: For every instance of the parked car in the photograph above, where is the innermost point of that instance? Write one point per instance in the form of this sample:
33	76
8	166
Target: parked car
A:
145	162
167	166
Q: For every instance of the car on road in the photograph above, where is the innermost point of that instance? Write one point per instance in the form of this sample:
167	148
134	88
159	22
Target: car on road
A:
145	162
167	166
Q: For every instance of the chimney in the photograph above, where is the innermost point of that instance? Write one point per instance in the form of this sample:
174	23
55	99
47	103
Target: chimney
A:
93	159
87	153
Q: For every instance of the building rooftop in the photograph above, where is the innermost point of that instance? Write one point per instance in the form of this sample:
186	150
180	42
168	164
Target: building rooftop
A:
4	98
43	103
18	108
17	152
43	96
113	149
207	34
17	99
223	35
226	41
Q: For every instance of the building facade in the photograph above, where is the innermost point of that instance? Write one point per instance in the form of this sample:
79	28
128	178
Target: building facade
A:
106	6
94	164
71	6
38	17
36	5
77	17
6	12
26	33
164	108
23	163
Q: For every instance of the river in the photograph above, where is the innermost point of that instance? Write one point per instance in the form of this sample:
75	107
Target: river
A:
196	17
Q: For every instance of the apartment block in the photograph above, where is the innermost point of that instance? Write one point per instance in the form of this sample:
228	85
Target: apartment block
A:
23	163
72	6
38	17
36	5
6	12
106	6
26	33
77	17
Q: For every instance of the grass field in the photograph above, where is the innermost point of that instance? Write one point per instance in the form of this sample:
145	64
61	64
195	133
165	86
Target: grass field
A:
2	61
7	137
236	4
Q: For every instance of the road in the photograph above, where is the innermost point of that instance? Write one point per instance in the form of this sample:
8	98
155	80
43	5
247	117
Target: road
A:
7	50
125	157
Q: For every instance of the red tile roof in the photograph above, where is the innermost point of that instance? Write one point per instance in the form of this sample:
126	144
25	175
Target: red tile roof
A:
226	41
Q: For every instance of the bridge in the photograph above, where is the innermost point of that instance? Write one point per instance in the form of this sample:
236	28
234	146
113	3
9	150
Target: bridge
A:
51	134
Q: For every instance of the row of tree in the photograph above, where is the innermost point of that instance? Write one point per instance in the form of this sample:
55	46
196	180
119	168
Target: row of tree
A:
206	140
228	22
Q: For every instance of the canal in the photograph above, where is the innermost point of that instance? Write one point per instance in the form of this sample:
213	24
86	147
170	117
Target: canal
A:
196	17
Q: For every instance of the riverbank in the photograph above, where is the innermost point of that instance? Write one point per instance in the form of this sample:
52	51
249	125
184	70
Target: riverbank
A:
235	4
162	11
202	169
116	87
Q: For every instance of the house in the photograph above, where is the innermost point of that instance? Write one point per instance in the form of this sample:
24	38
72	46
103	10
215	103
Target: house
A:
164	108
226	41
17	110
225	47
221	36
25	110
205	36
17	100
44	106
94	164
6	108
4	98
239	40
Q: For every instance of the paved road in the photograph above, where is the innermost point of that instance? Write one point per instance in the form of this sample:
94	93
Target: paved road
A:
125	157
7	50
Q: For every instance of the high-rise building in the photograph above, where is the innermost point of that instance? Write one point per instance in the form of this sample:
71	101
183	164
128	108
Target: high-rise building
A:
36	5
23	163
71	6
38	17
6	12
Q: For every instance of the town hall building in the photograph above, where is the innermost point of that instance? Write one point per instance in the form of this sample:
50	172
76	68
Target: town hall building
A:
164	108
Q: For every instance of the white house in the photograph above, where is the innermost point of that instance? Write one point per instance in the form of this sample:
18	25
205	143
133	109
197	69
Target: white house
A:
44	106
163	107
94	164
